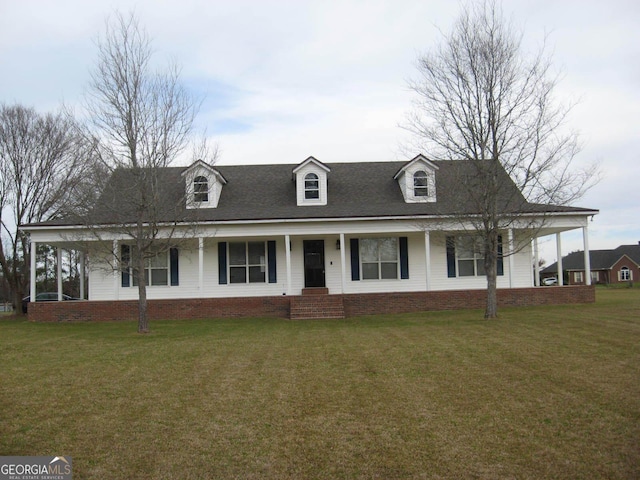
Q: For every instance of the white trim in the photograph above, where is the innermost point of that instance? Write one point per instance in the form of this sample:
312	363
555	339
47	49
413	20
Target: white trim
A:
32	285
512	267
200	263
343	263
287	250
587	256
116	271
536	259
427	257
454	218
559	262
83	274
59	272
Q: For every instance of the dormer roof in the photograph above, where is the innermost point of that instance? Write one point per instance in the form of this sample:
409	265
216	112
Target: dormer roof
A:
313	161
418	159
199	165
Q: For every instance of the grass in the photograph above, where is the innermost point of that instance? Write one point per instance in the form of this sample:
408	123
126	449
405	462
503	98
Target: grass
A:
547	392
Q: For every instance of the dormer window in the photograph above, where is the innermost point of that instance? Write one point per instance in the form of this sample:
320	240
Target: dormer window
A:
311	186
203	185
200	189
417	180
420	184
311	183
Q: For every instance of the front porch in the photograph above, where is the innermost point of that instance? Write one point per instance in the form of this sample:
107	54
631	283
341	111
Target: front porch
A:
206	269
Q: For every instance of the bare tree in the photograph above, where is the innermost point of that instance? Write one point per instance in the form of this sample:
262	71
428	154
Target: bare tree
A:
41	162
481	98
140	121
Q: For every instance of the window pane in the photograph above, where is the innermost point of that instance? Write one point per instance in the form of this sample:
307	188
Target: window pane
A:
369	271
369	250
201	189
256	253
146	278
237	253
159	277
256	274
466	248
389	270
159	261
420	184
388	249
238	275
465	268
311	194
201	197
480	267
311	186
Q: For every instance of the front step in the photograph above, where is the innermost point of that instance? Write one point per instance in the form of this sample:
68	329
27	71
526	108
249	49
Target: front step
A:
316	306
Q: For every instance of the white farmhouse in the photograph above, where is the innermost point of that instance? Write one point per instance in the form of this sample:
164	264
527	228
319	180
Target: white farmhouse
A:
262	239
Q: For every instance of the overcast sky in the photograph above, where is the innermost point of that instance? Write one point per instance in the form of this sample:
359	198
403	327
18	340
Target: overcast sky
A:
283	80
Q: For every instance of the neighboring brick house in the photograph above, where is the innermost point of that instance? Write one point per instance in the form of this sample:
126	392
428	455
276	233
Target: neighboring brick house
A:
620	265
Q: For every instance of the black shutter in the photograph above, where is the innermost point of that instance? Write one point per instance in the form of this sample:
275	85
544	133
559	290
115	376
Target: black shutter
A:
451	257
173	265
222	263
404	258
355	259
500	266
125	259
271	260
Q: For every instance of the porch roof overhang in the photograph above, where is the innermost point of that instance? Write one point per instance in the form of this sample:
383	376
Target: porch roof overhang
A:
539	223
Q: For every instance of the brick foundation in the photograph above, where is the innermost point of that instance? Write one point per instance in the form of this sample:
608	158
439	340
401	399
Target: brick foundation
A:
279	307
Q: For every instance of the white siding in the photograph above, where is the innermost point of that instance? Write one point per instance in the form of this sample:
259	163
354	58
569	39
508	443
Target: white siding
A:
417	269
523	276
103	285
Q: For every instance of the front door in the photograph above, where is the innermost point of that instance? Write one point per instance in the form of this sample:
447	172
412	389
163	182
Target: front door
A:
314	263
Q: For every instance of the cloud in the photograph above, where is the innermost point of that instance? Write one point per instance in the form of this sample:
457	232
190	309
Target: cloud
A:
282	80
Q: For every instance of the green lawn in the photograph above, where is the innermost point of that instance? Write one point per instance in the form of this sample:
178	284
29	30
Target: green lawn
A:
547	392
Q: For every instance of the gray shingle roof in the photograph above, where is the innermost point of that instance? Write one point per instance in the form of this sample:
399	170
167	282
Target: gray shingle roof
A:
599	259
265	192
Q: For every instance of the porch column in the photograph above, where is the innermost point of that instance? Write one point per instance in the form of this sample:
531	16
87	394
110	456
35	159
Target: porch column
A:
587	256
427	257
343	265
82	275
536	265
559	263
32	274
201	263
59	272
511	258
116	270
287	250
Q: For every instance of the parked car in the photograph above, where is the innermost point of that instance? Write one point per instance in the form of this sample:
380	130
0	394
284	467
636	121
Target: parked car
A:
550	281
44	297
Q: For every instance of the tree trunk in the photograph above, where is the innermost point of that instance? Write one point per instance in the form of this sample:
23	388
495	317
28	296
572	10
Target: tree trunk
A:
143	321
491	269
18	295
